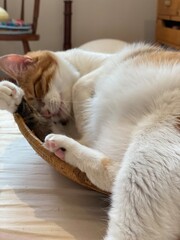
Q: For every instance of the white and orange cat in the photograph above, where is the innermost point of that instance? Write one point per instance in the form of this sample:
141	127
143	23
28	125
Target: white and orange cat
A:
126	108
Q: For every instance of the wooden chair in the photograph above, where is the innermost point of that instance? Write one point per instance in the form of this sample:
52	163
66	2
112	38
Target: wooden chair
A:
24	37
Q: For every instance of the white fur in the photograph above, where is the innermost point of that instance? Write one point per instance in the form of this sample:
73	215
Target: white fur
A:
10	96
127	115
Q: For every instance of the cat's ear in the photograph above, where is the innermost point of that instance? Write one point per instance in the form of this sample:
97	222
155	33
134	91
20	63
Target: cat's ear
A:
15	65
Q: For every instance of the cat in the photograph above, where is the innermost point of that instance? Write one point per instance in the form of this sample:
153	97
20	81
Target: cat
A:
126	109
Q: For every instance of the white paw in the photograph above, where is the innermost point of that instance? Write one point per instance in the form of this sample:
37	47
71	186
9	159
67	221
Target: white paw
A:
58	144
10	96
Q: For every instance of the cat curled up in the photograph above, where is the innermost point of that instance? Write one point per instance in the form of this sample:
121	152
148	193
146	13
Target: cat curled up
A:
125	110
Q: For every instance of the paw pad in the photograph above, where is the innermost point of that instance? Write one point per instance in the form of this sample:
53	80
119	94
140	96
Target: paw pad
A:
60	153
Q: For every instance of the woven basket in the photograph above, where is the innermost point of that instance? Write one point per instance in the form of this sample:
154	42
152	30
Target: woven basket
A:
62	167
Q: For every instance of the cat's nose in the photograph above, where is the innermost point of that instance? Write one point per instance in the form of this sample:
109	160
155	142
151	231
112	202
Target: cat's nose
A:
46	113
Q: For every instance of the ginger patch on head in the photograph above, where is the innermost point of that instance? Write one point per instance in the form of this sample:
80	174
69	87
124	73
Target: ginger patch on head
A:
40	76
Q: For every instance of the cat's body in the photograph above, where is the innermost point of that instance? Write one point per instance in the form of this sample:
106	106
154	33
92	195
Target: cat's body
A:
126	108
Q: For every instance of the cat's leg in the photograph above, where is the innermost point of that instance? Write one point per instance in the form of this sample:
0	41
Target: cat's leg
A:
10	96
146	193
95	164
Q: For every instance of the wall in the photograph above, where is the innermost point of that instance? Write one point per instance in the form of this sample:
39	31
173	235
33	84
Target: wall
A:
129	20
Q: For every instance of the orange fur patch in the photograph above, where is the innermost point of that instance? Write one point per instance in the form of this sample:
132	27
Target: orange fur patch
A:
106	162
154	55
35	79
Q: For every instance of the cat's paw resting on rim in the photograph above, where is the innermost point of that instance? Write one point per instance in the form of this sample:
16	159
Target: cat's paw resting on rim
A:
58	144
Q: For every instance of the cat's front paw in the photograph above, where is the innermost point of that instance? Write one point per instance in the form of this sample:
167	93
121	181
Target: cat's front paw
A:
10	96
58	144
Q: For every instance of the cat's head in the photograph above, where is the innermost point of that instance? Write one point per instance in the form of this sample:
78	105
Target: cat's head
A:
46	79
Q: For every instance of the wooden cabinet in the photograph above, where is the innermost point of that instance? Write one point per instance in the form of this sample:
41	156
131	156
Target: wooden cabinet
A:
168	23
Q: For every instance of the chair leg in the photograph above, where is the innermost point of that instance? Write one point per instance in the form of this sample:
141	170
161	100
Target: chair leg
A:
26	46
